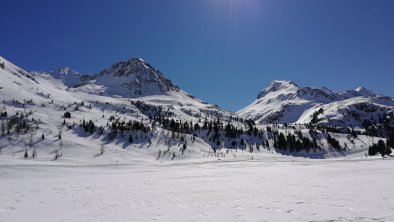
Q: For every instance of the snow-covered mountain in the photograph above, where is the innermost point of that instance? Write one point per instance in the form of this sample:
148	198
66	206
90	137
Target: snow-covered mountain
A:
138	80
132	78
133	105
69	76
34	104
135	80
48	97
286	102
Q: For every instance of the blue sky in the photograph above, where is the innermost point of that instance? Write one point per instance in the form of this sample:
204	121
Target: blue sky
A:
222	51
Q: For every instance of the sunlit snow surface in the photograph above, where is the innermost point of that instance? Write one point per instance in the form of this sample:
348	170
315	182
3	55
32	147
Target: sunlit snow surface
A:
267	189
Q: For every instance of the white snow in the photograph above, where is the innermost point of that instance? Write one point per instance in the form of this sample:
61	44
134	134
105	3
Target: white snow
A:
260	190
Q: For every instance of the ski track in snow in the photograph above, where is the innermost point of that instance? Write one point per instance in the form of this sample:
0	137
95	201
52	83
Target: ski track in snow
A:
304	190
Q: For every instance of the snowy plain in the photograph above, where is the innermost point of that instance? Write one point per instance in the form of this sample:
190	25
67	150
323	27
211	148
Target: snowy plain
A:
277	189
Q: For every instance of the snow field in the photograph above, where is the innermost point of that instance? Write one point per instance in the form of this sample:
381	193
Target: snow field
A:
303	190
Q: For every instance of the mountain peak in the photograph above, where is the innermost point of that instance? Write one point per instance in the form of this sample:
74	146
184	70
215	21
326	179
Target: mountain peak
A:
133	78
283	82
65	70
279	85
133	61
69	77
361	91
136	59
128	67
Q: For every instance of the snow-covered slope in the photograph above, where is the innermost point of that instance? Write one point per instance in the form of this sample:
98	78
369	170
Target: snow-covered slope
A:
286	102
352	112
155	119
39	101
18	84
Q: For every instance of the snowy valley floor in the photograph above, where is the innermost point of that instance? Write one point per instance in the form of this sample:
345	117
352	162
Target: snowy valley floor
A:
263	190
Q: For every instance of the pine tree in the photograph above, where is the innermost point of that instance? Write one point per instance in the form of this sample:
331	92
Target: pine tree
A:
382	148
282	143
333	142
373	150
60	134
2	128
183	148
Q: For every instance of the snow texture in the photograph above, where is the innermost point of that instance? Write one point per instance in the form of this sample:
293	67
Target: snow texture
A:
260	190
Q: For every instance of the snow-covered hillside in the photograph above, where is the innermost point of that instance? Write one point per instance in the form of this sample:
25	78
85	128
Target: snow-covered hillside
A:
131	112
18	84
286	102
35	106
